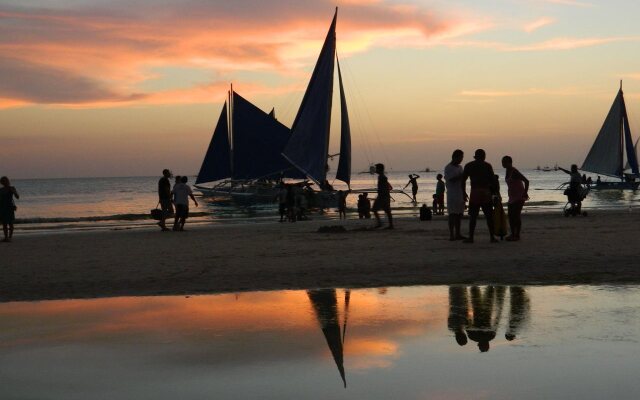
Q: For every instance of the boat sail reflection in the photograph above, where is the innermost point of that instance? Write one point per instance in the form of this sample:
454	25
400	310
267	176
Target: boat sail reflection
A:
475	313
325	305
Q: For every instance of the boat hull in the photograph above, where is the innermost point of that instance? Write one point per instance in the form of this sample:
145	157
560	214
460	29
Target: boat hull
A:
616	186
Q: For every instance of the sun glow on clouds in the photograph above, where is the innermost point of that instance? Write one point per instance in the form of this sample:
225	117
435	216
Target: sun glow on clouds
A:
102	56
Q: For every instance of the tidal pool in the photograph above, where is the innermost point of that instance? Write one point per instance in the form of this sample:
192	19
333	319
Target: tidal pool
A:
459	342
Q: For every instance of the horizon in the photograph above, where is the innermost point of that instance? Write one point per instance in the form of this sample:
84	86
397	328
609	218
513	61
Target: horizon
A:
91	88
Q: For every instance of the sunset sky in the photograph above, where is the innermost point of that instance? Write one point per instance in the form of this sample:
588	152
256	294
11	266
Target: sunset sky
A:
121	88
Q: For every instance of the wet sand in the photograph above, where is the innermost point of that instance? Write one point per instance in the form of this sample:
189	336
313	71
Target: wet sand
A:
602	248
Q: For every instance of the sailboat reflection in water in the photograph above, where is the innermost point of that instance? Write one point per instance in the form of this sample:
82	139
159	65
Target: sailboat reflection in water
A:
481	321
325	305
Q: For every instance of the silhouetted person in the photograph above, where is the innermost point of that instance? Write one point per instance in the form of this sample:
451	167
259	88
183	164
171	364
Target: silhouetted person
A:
425	213
458	313
342	204
7	207
487	306
182	192
164	198
481	175
574	192
364	207
518	189
281	197
589	180
499	217
413	181
453	176
440	189
291	204
598	181
383	201
518	311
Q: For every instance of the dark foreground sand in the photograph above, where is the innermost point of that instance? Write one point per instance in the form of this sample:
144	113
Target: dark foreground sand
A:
600	249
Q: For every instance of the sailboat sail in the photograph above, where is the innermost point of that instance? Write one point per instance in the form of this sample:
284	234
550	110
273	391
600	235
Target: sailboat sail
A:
217	161
635	151
344	165
308	146
605	156
632	158
258	140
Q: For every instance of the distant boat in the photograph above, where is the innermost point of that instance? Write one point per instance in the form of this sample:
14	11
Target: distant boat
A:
427	169
607	154
546	168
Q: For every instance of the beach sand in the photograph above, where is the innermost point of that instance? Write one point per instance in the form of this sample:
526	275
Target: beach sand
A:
602	248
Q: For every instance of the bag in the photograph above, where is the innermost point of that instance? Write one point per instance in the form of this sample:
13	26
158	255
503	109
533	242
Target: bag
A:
156	213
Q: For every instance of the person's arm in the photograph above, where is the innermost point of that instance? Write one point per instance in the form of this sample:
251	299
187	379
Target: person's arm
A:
417	176
193	198
405	186
15	192
564	170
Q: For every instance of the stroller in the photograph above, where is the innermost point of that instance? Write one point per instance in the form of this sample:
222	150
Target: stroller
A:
575	196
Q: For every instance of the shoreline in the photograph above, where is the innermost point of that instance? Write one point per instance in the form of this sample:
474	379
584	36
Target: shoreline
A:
216	258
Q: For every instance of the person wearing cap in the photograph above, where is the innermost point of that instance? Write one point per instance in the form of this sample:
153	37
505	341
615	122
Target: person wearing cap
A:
164	198
481	175
383	201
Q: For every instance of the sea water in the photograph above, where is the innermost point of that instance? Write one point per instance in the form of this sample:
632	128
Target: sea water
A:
94	203
558	342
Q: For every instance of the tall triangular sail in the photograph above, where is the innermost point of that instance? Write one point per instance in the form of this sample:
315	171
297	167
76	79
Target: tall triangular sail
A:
258	140
605	156
217	161
632	158
308	147
344	165
635	151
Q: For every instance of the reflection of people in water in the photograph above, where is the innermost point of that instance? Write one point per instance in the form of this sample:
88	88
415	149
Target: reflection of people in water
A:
487	310
458	313
518	311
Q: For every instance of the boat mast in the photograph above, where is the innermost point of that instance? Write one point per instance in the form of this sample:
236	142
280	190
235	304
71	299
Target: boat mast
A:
622	116
230	134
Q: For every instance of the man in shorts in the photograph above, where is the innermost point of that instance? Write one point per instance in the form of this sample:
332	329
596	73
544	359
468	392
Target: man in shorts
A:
182	192
481	175
383	201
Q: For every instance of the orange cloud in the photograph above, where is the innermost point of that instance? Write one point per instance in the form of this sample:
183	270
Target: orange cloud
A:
537	24
101	56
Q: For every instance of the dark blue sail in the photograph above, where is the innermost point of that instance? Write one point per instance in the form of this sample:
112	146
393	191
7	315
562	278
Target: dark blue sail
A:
632	159
344	165
308	147
258	141
217	161
605	156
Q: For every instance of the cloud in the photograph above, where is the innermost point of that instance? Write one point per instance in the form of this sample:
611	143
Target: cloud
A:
537	24
569	91
573	3
24	82
118	45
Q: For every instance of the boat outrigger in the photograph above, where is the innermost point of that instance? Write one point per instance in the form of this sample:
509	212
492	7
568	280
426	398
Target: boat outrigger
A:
607	154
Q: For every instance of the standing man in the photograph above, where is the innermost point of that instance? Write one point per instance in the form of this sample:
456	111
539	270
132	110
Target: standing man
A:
453	174
164	198
440	189
413	181
481	175
7	207
383	201
182	192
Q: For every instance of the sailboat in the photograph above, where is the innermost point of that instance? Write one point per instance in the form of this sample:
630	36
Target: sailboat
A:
250	147
244	154
607	154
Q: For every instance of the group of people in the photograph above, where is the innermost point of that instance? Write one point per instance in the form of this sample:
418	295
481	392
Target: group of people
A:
485	194
177	196
7	207
292	202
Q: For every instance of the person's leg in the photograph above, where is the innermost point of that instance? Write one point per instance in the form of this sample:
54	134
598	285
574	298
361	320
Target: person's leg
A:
487	210
389	217
518	218
474	210
452	222
176	219
458	224
5	230
10	230
512	219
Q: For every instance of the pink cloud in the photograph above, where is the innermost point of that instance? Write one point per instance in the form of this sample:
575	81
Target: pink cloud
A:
537	24
98	48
